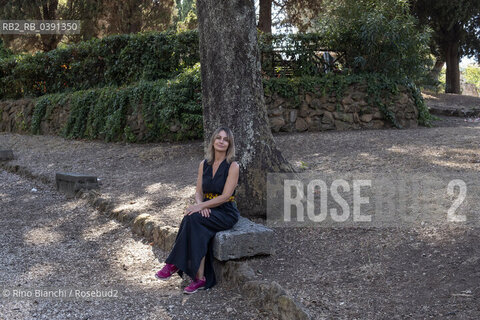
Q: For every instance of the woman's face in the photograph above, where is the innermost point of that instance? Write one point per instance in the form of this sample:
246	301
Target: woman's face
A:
221	141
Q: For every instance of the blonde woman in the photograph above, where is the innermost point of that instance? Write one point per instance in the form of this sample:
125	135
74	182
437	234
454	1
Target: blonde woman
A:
215	210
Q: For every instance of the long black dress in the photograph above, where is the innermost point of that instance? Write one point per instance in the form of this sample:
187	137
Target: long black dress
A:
195	235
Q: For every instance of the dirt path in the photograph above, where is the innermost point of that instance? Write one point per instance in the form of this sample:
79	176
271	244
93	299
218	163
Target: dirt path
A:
453	105
419	272
48	242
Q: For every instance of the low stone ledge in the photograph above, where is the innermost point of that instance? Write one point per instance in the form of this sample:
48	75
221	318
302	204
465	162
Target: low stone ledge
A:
71	183
266	295
453	112
6	155
245	239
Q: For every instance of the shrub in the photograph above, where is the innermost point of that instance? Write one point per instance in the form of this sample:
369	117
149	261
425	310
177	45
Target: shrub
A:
377	36
472	75
115	60
4	52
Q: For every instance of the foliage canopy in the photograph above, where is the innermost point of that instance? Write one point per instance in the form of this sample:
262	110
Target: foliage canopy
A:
379	36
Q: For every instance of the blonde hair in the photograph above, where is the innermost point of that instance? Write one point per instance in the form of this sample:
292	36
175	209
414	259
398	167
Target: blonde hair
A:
231	146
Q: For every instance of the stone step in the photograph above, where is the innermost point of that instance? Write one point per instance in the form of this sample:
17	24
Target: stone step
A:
71	183
453	112
6	155
245	239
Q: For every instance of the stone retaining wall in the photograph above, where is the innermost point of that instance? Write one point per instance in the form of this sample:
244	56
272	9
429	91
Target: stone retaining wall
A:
307	112
16	115
313	112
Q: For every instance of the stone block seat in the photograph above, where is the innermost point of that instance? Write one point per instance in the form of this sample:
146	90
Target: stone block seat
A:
6	155
245	239
71	183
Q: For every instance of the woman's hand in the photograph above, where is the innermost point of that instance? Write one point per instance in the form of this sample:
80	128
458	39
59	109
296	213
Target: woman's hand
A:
198	208
205	212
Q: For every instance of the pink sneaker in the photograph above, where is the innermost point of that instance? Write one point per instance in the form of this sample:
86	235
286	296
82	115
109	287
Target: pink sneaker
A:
195	285
166	272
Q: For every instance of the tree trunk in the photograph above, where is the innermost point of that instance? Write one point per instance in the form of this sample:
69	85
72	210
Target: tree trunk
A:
437	68
134	24
233	95
265	17
50	41
49	12
452	57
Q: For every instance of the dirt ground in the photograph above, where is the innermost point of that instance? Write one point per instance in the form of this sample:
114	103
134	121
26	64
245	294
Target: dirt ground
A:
49	243
417	272
446	103
451	100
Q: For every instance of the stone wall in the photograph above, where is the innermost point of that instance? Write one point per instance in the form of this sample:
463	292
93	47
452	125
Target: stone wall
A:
312	112
16	115
308	112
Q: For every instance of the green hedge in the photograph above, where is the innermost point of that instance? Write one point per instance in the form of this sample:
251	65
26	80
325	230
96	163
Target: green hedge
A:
102	113
112	61
125	59
4	52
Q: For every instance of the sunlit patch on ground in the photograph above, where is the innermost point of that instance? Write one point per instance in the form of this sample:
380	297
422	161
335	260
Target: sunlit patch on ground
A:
42	236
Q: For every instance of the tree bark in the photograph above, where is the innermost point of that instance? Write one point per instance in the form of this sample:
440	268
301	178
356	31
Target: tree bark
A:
233	95
49	12
265	17
452	57
437	68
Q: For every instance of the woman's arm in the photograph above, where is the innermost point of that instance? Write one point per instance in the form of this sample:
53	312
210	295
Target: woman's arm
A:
199	189
230	185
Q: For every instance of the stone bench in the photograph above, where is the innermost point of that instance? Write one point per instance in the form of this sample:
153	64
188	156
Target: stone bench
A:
71	183
245	239
6	155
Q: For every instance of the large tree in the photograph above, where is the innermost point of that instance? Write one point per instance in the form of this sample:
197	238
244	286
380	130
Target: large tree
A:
31	10
265	16
131	16
233	94
455	25
98	18
287	13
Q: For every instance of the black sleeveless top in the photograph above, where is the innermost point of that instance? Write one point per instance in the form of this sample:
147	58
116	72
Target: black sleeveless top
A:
215	184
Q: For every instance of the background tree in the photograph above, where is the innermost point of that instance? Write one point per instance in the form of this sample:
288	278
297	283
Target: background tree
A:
472	75
132	16
301	13
183	8
187	15
376	36
31	10
88	12
265	16
98	17
233	94
456	27
287	14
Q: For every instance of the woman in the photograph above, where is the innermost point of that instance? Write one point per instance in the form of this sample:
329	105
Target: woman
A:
215	210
